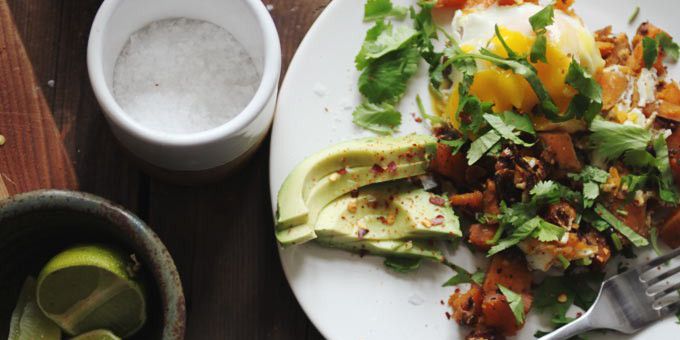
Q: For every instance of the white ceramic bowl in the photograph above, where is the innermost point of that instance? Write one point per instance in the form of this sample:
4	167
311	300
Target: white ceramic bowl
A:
248	20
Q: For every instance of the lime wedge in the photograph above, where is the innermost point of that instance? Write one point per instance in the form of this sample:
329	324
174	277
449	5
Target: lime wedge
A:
92	287
100	334
28	322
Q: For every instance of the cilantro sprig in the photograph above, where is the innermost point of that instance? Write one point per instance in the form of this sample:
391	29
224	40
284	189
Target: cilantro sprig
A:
621	227
661	43
592	178
539	22
380	9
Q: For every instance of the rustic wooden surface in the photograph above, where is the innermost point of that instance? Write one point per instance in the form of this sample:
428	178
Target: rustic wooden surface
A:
220	235
30	137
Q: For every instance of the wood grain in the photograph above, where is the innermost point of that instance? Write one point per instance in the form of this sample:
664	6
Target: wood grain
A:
220	235
33	156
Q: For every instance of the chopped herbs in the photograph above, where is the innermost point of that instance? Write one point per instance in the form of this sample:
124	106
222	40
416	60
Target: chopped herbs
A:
385	79
482	145
432	118
402	264
668	192
455	144
380	9
515	302
536	227
383	118
650	51
625	230
591	177
588	102
669	47
505	130
634	15
461	276
539	22
611	140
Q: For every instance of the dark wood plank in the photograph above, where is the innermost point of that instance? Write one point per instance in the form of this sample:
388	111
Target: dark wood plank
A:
33	156
221	234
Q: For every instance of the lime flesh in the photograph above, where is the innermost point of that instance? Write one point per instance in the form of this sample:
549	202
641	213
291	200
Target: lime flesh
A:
88	288
28	322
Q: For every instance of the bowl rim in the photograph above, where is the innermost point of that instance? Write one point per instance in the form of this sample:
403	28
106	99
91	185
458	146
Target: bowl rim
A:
164	272
117	116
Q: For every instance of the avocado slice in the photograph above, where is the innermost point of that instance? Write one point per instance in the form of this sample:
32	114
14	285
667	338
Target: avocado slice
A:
402	248
340	169
386	212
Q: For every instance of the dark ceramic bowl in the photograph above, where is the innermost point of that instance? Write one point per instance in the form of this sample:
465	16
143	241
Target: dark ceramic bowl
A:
35	226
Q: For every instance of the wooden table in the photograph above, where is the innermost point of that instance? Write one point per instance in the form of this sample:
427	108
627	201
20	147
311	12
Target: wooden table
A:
220	235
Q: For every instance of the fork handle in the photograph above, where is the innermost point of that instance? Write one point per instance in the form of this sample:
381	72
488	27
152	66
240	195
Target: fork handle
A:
576	327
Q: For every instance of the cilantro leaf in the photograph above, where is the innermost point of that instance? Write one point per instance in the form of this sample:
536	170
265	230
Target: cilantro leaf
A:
669	47
667	189
548	232
633	183
455	144
539	22
515	302
625	230
381	40
536	227
471	112
650	51
549	192
379	9
505	130
385	79
638	158
610	140
461	276
481	145
382	118
538	49
588	102
478	277
542	19
519	121
591	177
402	264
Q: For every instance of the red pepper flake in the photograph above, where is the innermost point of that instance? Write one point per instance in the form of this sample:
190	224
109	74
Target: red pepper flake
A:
438	201
361	233
441	302
457	291
342	171
363	252
392	167
377	169
382	219
439	220
448	315
354	193
579	314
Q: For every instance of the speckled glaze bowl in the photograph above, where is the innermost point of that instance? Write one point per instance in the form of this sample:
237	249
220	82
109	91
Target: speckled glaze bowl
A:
37	225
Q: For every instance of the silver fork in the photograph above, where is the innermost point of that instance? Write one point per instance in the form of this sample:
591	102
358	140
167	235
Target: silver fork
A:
627	302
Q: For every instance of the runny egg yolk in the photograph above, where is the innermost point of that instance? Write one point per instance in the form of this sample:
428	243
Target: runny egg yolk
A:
508	90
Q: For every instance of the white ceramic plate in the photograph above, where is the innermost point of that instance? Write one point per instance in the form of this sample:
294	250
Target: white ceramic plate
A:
348	297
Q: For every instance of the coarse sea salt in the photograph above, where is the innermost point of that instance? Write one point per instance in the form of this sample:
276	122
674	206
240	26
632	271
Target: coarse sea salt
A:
184	76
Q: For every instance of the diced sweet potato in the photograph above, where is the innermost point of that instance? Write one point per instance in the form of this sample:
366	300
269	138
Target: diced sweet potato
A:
490	198
480	234
467	307
564	5
636	62
614	83
670	93
450	166
470	200
615	50
674	154
670	231
603	253
510	271
561	148
455	4
635	216
497	314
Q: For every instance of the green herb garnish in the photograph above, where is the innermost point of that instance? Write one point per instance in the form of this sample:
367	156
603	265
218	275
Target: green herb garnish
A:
621	227
515	302
380	9
380	118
